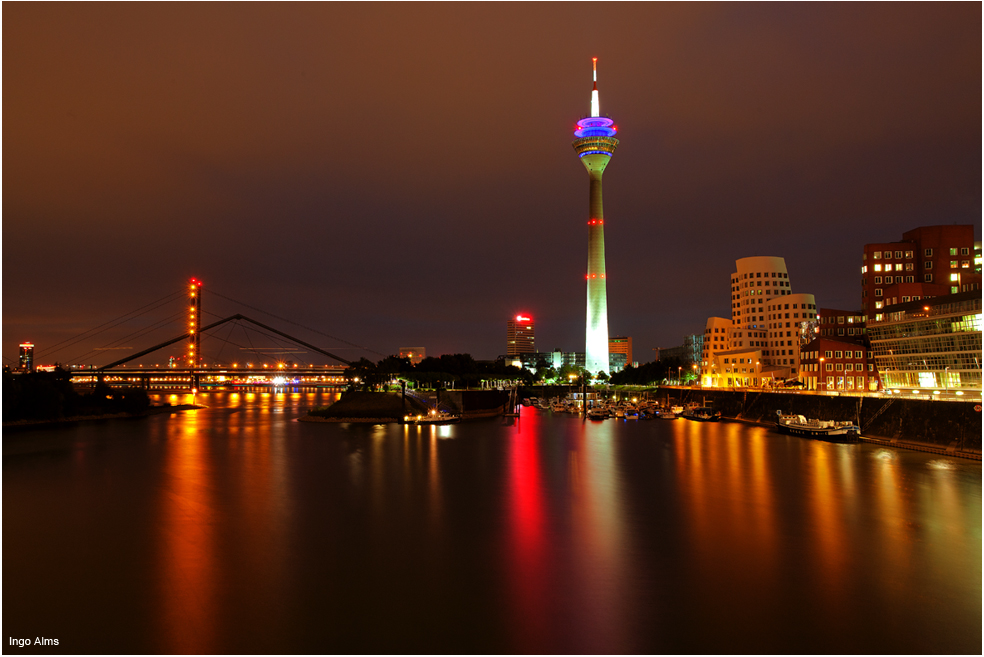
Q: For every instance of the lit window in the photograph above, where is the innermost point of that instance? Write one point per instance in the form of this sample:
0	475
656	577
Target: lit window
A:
877	267
953	251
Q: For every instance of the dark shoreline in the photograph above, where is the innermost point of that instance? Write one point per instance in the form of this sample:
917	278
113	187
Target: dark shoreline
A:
23	425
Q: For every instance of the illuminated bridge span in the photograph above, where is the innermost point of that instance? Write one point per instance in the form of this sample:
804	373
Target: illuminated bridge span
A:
191	372
159	378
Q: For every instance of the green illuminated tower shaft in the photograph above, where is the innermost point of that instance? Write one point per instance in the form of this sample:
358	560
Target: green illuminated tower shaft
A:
595	145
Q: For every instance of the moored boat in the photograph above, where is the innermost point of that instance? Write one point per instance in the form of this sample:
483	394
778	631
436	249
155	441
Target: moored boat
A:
598	413
434	417
831	430
704	414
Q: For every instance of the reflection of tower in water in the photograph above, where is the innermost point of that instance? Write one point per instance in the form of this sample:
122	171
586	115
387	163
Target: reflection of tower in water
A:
595	145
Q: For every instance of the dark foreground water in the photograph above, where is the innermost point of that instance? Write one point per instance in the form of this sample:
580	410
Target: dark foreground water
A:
236	529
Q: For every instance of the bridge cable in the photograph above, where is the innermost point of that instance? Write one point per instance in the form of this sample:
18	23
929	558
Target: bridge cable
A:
114	322
284	319
231	327
252	348
138	333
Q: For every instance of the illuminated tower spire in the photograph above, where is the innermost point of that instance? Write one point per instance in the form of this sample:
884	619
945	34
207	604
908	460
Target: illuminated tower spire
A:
595	145
595	104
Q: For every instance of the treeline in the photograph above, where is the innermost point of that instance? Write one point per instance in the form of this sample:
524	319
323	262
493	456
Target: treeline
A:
461	371
50	396
655	373
446	371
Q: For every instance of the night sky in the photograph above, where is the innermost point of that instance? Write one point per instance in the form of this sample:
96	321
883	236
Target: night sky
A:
402	174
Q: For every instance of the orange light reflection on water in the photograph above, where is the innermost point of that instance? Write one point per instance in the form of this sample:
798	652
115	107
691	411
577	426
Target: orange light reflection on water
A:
187	567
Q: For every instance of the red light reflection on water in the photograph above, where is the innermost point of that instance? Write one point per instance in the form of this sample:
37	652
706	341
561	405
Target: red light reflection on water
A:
528	567
566	555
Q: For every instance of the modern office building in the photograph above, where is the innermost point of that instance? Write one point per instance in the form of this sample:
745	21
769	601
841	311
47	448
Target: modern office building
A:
931	346
26	356
595	144
620	344
559	359
415	354
520	335
927	262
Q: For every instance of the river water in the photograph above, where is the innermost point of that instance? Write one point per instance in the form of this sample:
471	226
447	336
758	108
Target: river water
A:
236	529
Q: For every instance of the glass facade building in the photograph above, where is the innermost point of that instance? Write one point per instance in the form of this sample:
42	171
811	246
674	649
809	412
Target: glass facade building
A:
932	346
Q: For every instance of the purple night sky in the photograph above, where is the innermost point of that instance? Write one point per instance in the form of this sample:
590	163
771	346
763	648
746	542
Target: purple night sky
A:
402	174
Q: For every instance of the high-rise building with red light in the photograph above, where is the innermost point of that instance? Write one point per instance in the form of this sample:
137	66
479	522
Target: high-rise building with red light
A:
520	335
27	356
595	145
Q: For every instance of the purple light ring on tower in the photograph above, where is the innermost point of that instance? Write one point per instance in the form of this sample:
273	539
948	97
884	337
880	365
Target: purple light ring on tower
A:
595	126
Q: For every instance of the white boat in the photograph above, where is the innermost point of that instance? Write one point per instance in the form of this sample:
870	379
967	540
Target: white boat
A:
834	431
598	414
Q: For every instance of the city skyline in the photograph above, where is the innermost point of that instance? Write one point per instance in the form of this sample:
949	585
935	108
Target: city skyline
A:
275	153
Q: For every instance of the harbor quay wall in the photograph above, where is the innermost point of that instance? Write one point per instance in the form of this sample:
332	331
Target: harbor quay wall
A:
469	404
947	424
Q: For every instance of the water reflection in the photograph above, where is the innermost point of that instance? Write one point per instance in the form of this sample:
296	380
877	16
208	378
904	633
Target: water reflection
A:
256	533
527	565
187	568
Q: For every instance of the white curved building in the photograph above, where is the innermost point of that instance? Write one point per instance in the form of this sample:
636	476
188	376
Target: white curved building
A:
768	325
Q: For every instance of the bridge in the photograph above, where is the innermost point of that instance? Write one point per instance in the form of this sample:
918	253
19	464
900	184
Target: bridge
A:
263	366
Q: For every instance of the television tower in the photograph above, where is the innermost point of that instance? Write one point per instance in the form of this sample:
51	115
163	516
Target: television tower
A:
595	145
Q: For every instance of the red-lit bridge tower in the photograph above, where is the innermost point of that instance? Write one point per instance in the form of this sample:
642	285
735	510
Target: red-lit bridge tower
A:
194	356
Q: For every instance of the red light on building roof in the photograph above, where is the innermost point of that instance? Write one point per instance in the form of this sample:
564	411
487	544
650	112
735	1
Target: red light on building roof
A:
523	318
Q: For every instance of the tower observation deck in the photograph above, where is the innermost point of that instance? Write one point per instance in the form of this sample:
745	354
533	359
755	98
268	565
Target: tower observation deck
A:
595	144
